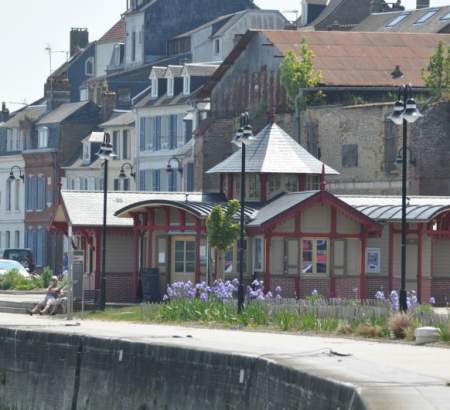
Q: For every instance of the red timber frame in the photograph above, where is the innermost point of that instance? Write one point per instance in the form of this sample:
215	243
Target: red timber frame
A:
368	226
144	221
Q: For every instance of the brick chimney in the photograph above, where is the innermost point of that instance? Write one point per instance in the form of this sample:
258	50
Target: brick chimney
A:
4	114
79	39
422	4
108	105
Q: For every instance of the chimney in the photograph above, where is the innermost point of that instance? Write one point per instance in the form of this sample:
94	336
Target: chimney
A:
377	6
4	114
79	39
311	9
108	105
422	4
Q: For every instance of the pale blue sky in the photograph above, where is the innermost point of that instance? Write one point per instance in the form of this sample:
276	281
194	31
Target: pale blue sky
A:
27	28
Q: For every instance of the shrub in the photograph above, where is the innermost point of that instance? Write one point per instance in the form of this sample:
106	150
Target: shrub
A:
445	331
368	330
344	328
399	324
46	277
13	280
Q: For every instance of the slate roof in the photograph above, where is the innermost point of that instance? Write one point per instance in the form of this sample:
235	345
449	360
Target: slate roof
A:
119	119
380	21
200	70
115	34
273	151
389	208
61	113
218	22
31	113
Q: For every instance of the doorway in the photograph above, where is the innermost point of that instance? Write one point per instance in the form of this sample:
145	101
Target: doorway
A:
183	259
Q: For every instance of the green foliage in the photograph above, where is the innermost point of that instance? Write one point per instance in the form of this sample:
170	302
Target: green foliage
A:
437	75
13	280
222	229
299	74
46	277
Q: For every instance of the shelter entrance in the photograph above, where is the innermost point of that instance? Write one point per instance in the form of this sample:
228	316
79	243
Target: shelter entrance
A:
183	258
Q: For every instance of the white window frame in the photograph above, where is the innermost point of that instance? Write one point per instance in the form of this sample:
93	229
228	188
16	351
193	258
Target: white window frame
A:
43	137
86	152
170	85
255	240
154	85
89	60
314	257
186	84
216	42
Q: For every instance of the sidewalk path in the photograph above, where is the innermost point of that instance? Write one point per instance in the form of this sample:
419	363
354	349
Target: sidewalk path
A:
390	375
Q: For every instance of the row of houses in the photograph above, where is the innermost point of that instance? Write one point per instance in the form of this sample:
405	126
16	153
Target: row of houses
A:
170	92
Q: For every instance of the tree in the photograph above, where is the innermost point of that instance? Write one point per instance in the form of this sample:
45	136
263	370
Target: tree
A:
437	75
222	228
297	75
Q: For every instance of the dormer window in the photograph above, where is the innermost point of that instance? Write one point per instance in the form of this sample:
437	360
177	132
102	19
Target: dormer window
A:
217	46
186	85
43	137
89	67
154	84
170	85
86	152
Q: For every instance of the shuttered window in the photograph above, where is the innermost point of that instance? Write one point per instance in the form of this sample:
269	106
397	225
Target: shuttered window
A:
125	153
156	180
173	131
157	134
142	134
190	177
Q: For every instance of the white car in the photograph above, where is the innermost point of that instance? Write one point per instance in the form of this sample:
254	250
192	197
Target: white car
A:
6	265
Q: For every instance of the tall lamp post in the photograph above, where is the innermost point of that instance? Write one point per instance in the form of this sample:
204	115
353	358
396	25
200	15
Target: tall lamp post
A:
12	174
106	154
405	111
242	138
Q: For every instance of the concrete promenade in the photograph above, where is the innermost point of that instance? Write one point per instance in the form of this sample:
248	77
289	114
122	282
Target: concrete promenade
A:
388	375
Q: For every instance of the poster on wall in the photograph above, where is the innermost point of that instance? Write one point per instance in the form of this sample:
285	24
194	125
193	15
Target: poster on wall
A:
373	260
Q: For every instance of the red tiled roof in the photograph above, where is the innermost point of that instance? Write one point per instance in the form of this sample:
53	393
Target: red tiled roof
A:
348	59
363	59
115	34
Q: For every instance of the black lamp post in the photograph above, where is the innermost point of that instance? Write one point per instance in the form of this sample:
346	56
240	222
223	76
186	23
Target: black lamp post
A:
179	168
12	175
106	154
243	137
405	111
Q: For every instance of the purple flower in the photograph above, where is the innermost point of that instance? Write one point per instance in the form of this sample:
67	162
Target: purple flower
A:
165	297
380	295
278	289
315	292
432	301
269	295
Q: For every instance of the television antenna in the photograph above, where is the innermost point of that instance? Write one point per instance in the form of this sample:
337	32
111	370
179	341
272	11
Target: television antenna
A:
50	52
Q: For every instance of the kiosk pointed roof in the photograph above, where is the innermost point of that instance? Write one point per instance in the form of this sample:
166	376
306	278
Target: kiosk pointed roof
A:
273	152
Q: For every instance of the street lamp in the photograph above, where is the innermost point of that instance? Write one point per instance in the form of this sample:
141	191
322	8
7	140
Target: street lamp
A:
243	137
122	173
405	111
106	154
179	168
12	175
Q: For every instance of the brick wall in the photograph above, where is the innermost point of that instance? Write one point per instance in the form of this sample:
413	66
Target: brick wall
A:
374	284
345	287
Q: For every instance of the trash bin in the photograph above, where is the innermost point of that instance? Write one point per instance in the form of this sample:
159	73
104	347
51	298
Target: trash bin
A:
150	285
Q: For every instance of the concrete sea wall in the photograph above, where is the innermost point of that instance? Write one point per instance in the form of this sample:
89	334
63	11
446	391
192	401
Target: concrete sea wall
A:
46	371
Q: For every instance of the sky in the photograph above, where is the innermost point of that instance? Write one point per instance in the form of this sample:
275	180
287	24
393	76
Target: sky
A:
26	33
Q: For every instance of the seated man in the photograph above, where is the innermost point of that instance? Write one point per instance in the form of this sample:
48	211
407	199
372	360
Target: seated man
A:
50	298
61	301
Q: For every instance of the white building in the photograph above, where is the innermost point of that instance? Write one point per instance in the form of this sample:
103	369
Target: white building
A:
109	48
165	121
86	172
12	191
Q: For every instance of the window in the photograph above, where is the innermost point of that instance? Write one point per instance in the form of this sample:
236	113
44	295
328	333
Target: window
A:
217	46
258	254
274	184
142	127
292	183
228	260
156	180
17	239
187	130
156	133
124	97
315	256
154	85
115	144
86	152
186	85
17	195
426	16
184	256
446	17
349	155
173	131
126	184
41	193
170	83
125	153
133	46
254	187
43	137
172	181
312	182
190	177
89	67
116	184
397	19
8	194
84	94
7	239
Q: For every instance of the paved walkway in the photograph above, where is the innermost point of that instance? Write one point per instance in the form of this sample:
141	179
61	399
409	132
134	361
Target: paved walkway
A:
412	377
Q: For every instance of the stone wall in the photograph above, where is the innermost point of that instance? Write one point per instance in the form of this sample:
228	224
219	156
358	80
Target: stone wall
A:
44	371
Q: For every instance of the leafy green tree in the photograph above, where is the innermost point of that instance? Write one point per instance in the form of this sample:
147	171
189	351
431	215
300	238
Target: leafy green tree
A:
297	74
437	75
222	228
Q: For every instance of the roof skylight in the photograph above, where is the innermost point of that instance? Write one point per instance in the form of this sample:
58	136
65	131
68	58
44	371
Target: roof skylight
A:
426	16
397	19
446	17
